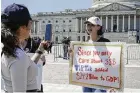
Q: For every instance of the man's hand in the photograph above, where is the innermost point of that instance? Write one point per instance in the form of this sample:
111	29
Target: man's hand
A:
70	51
112	90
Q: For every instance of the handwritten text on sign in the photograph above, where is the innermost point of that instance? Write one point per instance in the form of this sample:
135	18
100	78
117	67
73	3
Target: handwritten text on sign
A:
98	65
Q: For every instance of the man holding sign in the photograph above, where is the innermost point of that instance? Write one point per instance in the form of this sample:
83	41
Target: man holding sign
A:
95	65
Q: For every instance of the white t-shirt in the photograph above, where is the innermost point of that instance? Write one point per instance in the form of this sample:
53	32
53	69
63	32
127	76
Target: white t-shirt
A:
40	69
19	74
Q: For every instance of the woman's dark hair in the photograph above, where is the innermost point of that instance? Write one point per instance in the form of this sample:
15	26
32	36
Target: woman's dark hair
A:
9	35
100	32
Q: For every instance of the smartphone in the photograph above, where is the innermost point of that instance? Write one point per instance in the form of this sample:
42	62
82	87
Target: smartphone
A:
48	33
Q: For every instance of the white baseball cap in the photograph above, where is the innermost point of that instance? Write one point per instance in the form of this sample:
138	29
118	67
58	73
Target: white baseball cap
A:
94	20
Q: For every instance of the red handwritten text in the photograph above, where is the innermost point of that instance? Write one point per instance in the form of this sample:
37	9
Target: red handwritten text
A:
82	52
101	69
110	79
85	76
106	53
96	60
110	62
83	60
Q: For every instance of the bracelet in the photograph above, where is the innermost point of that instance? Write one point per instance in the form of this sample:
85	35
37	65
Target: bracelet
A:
39	52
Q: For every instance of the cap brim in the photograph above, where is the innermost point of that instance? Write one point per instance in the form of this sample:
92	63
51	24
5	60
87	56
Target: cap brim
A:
86	22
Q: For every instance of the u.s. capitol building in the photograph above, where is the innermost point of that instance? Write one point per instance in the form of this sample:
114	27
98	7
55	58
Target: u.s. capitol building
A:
120	20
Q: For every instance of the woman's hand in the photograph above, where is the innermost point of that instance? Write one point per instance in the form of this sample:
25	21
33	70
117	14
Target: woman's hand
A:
42	45
43	59
37	55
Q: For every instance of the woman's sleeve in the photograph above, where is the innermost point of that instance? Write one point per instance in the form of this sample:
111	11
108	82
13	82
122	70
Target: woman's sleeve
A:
18	71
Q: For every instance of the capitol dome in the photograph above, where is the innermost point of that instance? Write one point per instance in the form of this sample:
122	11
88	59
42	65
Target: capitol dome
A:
101	3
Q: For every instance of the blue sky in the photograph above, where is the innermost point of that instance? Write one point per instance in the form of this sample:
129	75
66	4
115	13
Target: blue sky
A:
35	6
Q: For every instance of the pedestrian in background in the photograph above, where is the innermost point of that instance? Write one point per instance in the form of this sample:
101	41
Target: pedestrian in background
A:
17	69
66	44
50	47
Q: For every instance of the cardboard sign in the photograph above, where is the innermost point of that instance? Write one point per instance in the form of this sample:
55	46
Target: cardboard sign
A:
97	65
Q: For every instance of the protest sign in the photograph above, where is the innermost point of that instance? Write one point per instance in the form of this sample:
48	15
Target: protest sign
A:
97	65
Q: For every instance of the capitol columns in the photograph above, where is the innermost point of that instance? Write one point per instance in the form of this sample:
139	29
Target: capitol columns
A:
123	24
39	29
85	31
139	25
134	22
101	20
34	26
81	29
81	24
106	22
37	26
129	22
117	23
77	26
112	23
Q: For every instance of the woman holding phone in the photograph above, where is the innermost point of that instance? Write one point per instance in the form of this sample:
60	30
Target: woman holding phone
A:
18	70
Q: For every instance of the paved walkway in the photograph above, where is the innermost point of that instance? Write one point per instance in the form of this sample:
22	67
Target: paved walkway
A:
48	88
66	88
56	74
56	77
